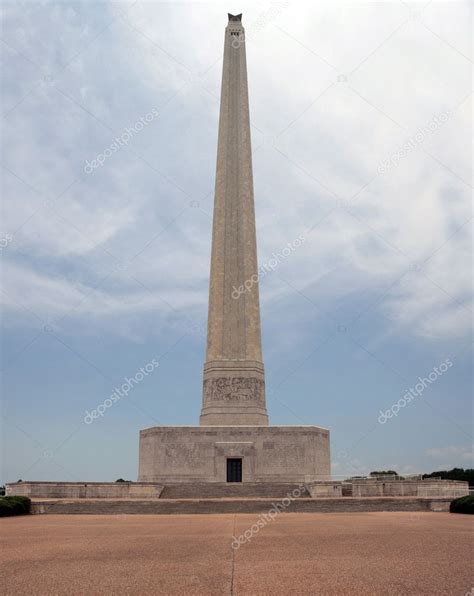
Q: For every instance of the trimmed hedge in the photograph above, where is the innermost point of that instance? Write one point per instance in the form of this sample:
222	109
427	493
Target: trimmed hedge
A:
14	505
462	505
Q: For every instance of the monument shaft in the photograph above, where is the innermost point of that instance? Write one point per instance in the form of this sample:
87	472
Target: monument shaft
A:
234	378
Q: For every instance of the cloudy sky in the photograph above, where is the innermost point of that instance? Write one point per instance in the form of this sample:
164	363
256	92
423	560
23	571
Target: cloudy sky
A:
361	124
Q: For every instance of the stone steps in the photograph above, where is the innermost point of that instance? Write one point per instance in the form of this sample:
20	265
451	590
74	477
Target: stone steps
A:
249	505
216	490
346	489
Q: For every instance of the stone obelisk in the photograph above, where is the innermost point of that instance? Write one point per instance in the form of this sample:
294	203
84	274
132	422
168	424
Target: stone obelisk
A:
234	378
234	442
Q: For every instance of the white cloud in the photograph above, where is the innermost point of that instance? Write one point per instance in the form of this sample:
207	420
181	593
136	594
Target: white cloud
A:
453	454
399	220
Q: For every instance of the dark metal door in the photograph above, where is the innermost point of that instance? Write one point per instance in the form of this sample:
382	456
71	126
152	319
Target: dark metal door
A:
234	469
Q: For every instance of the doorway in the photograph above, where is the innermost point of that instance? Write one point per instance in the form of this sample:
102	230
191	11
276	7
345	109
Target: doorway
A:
234	469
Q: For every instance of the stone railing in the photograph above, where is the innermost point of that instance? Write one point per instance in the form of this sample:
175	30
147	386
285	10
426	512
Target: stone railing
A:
85	490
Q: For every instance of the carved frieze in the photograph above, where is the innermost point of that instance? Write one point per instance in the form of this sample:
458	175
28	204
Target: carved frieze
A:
233	389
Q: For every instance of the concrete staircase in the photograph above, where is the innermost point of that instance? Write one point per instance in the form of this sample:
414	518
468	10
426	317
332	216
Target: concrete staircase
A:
244	505
219	490
347	489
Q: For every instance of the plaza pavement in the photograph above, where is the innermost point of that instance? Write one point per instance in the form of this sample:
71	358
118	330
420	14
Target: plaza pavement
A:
341	553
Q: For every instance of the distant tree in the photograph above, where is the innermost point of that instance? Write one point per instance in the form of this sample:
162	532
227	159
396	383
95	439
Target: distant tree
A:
454	474
122	480
384	473
2	491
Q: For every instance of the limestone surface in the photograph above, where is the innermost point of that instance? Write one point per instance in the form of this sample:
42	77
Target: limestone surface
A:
269	453
234	377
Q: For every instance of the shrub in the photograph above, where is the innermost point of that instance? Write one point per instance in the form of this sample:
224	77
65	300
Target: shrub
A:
454	474
463	505
14	505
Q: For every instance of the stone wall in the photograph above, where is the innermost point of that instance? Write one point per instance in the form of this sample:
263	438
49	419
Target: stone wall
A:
325	489
409	488
85	490
212	506
170	454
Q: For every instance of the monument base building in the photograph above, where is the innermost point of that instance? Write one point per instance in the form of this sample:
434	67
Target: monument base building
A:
296	454
234	442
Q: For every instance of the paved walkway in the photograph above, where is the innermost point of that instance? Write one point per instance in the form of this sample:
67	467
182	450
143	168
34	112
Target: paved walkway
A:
364	553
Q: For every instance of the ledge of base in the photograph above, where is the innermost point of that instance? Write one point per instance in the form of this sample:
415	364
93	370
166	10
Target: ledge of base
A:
238	427
213	506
